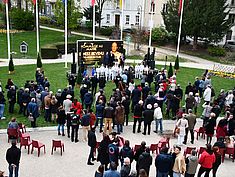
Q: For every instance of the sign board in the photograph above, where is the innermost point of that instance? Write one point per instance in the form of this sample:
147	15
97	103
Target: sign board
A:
23	47
94	51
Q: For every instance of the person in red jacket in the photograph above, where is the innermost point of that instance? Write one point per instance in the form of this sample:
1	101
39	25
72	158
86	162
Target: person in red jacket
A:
78	106
206	161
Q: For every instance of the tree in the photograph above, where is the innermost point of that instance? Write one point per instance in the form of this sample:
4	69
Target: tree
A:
39	61
100	4
74	16
88	13
79	76
170	71
202	19
11	67
22	20
177	67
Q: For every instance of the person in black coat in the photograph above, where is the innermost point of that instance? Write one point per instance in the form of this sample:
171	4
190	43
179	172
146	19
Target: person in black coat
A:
231	125
83	91
25	100
137	155
19	99
209	127
103	155
13	158
145	91
11	95
138	111
61	118
2	105
94	83
92	143
135	97
145	161
148	118
126	103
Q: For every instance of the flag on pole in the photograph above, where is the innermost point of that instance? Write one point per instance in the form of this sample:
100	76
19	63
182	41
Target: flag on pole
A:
34	2
120	4
5	1
180	7
92	2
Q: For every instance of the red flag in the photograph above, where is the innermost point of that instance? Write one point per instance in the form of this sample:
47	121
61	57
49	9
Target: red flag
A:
92	2
180	7
34	2
5	1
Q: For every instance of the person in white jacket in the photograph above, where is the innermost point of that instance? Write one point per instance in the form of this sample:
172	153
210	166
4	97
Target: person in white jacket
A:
158	118
207	94
229	98
182	124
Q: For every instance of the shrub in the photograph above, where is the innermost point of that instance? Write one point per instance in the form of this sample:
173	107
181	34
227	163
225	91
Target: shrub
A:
89	25
49	52
107	31
216	51
177	63
22	20
11	67
159	35
170	71
44	20
39	61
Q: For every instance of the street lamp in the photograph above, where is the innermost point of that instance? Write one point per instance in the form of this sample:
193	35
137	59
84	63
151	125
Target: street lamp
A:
139	12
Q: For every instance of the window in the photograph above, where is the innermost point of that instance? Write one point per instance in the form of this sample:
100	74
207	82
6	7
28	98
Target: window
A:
137	20
232	18
127	19
108	18
232	2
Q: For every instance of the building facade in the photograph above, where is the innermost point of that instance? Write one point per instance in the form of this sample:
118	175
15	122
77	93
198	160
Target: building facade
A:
231	8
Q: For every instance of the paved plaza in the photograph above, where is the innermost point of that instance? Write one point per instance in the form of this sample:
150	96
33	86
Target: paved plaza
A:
74	159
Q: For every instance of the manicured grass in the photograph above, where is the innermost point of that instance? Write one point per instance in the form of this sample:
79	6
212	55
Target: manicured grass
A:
56	74
46	37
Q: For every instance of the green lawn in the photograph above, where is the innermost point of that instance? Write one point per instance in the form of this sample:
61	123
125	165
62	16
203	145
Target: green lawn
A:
170	58
56	73
46	37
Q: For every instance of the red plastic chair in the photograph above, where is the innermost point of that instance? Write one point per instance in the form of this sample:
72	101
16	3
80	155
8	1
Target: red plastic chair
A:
25	142
154	147
137	146
24	135
38	145
222	152
165	140
230	152
22	127
188	150
12	133
57	144
201	150
200	131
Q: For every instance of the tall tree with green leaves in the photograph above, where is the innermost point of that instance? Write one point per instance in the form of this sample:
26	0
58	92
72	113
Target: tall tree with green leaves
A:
74	15
88	13
202	19
170	71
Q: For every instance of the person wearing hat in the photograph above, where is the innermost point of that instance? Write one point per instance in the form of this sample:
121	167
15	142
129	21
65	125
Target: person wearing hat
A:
158	118
67	104
13	155
148	118
138	111
181	126
92	143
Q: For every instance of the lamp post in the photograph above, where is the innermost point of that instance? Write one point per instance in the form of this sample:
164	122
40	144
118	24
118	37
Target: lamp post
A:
139	9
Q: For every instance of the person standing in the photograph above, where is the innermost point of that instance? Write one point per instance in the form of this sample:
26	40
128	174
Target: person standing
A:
126	152
191	164
126	168
135	97
218	160
108	115
11	95
47	103
92	143
2	105
148	118
210	127
158	118
163	163
145	160
191	124
181	125
179	164
94	83
99	114
207	94
13	158
206	160
138	111
61	117
85	122
32	109
119	117
113	171
88	99
137	155
75	121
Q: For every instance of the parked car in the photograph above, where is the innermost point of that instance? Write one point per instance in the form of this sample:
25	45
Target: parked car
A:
230	45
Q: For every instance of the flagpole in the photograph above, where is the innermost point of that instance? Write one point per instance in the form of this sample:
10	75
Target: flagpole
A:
66	32
37	27
151	26
122	19
8	32
93	21
180	29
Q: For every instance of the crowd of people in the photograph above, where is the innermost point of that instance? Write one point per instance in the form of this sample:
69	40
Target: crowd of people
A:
112	113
